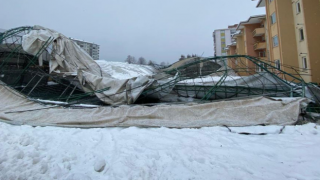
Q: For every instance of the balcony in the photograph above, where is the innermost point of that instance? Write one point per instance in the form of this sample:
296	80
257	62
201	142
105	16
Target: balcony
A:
265	59
259	32
260	45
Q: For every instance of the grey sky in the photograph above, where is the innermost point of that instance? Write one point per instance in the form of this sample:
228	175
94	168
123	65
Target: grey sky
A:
160	30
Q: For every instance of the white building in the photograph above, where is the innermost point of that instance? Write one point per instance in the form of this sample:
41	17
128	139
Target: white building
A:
221	38
91	48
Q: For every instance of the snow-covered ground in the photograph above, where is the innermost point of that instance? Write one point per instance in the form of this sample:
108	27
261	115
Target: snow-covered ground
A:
159	153
122	70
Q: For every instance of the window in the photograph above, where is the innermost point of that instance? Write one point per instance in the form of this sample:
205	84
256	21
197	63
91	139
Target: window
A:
277	64
265	66
301	34
275	41
224	54
304	63
262	54
298	7
258	68
273	18
223	37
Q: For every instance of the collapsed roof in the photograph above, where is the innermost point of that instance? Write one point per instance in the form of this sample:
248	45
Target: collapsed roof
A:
46	66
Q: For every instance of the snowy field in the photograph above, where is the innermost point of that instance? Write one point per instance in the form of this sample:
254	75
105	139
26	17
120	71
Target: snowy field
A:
159	153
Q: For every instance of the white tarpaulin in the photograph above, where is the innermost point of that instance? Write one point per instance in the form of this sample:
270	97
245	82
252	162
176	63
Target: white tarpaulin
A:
68	59
16	109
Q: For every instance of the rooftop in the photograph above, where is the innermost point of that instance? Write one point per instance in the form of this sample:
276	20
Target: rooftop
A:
82	41
252	20
261	3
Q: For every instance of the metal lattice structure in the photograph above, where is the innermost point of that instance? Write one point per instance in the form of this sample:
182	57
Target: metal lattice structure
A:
235	79
204	79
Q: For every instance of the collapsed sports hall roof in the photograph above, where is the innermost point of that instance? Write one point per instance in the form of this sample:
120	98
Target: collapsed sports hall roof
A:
42	72
43	64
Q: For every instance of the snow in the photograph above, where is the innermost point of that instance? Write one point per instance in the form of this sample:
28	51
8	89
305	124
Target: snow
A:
64	103
208	79
122	70
99	165
51	83
159	153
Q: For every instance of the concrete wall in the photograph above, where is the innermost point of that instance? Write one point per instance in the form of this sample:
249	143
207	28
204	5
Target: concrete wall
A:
242	62
272	31
231	62
287	41
284	28
311	11
250	41
302	46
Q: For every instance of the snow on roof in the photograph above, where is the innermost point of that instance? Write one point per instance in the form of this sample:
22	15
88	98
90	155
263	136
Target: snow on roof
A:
122	70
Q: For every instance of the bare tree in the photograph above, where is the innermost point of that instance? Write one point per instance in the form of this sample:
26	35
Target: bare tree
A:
182	57
162	63
131	60
151	63
128	60
188	56
142	60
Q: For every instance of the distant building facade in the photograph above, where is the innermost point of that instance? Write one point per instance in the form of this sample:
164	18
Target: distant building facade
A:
222	37
91	48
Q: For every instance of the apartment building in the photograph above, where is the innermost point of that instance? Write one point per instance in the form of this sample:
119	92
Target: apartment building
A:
91	48
249	39
293	27
222	37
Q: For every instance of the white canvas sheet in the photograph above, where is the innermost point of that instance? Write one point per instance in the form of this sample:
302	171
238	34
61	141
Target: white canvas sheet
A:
16	109
70	60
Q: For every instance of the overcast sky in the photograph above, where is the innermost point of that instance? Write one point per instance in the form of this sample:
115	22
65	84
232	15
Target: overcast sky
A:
159	30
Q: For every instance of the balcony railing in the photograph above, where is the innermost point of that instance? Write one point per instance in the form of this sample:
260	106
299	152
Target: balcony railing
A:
260	45
258	32
263	58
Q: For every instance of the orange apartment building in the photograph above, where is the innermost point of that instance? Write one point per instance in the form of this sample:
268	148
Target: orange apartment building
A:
250	39
293	35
